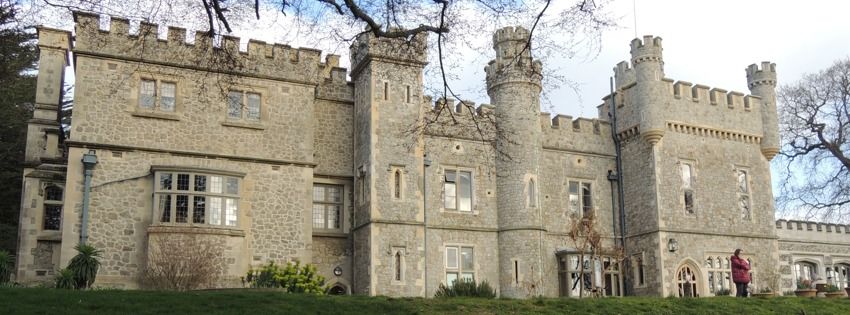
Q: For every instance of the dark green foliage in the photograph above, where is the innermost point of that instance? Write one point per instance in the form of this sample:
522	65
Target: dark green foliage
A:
65	279
84	265
5	266
466	288
723	292
17	93
292	278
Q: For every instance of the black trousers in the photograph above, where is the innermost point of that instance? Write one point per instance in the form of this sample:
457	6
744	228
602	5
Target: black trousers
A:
741	289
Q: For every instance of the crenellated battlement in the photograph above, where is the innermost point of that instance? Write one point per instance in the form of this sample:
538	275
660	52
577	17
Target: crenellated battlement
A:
366	47
766	75
797	225
273	61
648	49
513	62
796	230
696	93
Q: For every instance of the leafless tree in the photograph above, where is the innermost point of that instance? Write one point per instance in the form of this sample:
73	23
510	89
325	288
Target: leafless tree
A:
589	244
815	127
181	263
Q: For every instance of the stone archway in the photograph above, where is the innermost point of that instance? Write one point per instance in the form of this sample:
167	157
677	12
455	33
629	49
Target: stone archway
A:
688	281
338	289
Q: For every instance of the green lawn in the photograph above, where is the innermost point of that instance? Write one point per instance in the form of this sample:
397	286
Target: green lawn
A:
52	301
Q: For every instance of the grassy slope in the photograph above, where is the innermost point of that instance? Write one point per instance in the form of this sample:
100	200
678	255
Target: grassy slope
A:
51	301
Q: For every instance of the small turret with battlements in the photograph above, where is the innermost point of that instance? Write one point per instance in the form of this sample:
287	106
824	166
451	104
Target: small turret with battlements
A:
762	82
648	67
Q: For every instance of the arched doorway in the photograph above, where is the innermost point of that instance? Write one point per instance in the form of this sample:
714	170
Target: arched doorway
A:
338	289
687	281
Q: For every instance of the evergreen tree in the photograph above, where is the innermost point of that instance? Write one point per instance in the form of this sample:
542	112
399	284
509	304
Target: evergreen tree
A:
18	56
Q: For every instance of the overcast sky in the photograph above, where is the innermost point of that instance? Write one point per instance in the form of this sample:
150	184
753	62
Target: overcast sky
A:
709	42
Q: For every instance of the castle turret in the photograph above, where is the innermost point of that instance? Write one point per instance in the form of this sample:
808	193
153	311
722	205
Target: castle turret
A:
648	71
514	84
762	82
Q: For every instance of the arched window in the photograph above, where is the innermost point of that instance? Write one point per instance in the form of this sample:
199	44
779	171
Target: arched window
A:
840	275
805	271
532	193
397	184
686	282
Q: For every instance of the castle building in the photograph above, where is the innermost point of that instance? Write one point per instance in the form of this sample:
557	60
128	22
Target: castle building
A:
271	154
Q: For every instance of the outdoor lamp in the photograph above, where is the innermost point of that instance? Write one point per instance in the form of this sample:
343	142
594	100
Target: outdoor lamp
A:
672	245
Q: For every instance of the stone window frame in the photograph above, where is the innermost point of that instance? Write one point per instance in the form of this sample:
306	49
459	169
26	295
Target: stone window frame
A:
532	194
399	264
243	121
47	202
396	181
325	202
594	269
580	184
156	111
718	272
741	195
797	269
443	182
638	261
207	194
840	270
690	187
347	202
458	270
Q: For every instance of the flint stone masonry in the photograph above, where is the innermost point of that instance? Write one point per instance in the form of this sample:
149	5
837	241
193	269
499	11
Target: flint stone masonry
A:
369	138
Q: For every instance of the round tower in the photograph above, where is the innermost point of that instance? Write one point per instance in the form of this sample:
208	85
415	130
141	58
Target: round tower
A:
514	85
762	83
649	70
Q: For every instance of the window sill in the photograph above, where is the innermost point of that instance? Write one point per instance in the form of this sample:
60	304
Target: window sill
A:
49	235
157	115
247	125
195	229
452	211
336	234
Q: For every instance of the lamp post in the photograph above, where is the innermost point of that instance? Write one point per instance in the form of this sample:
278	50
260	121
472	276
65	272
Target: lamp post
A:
672	245
425	164
89	160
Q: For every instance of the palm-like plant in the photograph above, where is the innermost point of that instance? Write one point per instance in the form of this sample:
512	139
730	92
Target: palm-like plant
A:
85	265
65	279
5	266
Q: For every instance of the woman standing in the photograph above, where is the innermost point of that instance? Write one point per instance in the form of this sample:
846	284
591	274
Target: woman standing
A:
740	274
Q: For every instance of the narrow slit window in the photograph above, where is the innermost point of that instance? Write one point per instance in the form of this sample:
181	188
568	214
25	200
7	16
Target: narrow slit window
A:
407	94
397	184
532	194
398	265
744	194
516	272
386	91
688	187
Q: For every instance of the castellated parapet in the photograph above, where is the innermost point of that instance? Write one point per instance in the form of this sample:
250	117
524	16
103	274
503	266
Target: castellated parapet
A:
513	61
408	51
271	61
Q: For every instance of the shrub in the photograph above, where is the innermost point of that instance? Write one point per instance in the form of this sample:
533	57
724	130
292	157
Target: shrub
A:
465	287
5	267
292	278
723	292
183	263
65	279
84	265
804	284
832	288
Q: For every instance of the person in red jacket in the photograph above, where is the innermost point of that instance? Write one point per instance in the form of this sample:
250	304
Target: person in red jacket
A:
740	273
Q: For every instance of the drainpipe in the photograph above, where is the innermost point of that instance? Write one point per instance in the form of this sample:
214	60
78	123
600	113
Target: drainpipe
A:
425	164
619	162
89	160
